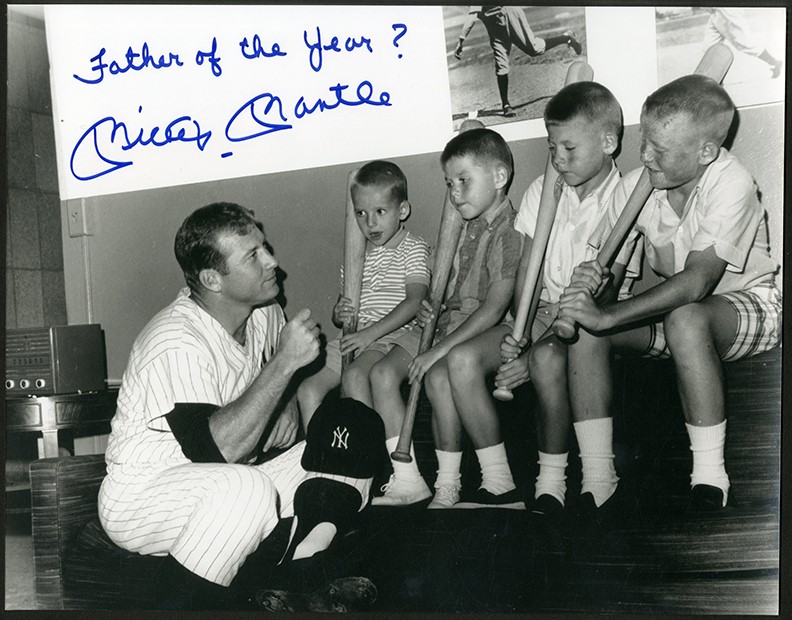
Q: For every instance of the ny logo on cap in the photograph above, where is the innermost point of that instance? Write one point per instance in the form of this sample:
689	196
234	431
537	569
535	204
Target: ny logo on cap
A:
341	436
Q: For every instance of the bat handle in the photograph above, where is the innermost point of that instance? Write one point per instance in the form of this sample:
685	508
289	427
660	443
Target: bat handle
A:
564	329
504	394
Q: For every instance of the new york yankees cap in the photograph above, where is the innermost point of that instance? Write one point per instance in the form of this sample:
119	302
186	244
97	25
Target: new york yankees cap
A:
345	437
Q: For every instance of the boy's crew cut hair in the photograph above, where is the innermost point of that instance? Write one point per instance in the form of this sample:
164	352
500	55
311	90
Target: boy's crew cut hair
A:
384	174
702	99
590	101
483	145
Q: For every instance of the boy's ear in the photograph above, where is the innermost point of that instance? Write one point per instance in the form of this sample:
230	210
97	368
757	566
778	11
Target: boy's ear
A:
210	279
501	176
404	210
708	153
610	142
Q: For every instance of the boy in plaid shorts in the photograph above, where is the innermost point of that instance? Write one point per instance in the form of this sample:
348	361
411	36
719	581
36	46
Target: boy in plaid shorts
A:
704	232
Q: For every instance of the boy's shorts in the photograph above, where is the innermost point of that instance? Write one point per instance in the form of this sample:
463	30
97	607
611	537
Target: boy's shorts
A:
333	349
758	324
546	315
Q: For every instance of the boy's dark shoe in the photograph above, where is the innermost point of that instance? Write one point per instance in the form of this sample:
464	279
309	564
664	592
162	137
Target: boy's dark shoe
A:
573	42
485	499
342	595
618	510
705	498
508	112
547	507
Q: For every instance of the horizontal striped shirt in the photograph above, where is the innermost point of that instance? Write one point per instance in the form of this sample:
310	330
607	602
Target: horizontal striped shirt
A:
387	271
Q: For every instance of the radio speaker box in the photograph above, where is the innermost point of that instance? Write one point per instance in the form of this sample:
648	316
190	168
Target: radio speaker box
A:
64	359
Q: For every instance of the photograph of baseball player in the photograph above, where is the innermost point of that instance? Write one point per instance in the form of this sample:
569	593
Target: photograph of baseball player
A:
756	35
481	40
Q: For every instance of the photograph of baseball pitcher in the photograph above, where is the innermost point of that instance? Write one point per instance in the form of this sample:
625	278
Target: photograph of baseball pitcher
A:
527	48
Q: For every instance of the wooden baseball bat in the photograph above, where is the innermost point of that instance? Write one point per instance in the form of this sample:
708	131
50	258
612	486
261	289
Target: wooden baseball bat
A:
447	240
715	64
526	307
354	255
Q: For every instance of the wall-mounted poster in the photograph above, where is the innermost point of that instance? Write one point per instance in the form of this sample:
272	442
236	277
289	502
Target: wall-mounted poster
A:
756	35
505	62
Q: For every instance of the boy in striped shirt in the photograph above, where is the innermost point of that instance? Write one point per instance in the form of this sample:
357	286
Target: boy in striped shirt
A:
395	280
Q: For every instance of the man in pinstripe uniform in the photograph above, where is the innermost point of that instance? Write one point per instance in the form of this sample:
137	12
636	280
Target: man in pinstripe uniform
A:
207	392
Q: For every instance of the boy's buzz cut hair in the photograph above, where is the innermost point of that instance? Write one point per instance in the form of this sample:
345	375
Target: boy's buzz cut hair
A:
590	101
482	145
382	174
704	100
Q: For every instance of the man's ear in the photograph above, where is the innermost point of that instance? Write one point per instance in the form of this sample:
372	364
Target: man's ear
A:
709	152
501	176
210	279
404	210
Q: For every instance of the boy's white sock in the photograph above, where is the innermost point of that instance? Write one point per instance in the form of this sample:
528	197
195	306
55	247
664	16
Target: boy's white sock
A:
496	475
595	438
405	471
709	467
448	469
552	475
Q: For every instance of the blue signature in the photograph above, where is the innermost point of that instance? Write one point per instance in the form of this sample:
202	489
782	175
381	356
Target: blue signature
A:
108	135
101	148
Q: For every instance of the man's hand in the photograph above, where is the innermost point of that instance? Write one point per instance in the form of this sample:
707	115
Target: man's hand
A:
299	340
284	431
590	275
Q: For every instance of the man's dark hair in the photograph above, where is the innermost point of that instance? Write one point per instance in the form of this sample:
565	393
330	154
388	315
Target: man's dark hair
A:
196	240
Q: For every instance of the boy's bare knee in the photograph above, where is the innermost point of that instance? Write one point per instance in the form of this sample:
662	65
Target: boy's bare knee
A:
436	380
384	376
463	361
686	325
546	357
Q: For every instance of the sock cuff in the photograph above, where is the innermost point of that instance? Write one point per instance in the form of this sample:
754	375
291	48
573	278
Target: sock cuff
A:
705	437
595	437
492	454
553	460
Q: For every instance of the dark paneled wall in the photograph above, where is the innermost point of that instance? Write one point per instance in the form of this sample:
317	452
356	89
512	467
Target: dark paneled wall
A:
35	293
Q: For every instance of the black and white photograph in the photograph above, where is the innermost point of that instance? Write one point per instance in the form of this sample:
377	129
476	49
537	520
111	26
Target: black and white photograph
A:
504	62
395	309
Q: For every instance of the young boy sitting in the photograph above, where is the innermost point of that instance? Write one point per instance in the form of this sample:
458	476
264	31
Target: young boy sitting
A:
395	280
703	231
584	127
478	170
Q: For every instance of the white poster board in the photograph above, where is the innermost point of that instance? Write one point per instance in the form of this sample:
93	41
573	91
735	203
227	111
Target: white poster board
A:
156	96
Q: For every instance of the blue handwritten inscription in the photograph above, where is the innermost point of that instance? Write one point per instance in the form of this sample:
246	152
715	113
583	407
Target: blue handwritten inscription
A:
256	49
316	48
108	135
132	63
106	146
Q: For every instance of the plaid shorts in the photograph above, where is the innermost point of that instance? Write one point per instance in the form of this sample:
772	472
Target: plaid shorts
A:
758	324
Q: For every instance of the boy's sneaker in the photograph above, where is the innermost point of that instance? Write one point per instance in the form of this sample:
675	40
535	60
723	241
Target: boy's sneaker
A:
400	492
445	497
573	42
508	111
486	499
618	510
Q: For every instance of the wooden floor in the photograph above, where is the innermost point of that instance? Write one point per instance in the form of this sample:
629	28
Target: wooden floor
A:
660	560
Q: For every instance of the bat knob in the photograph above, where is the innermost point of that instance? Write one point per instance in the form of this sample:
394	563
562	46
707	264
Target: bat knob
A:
401	457
564	329
503	394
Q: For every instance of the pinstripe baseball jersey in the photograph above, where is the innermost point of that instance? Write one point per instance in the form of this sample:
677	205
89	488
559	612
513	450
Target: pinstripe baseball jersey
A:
183	355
